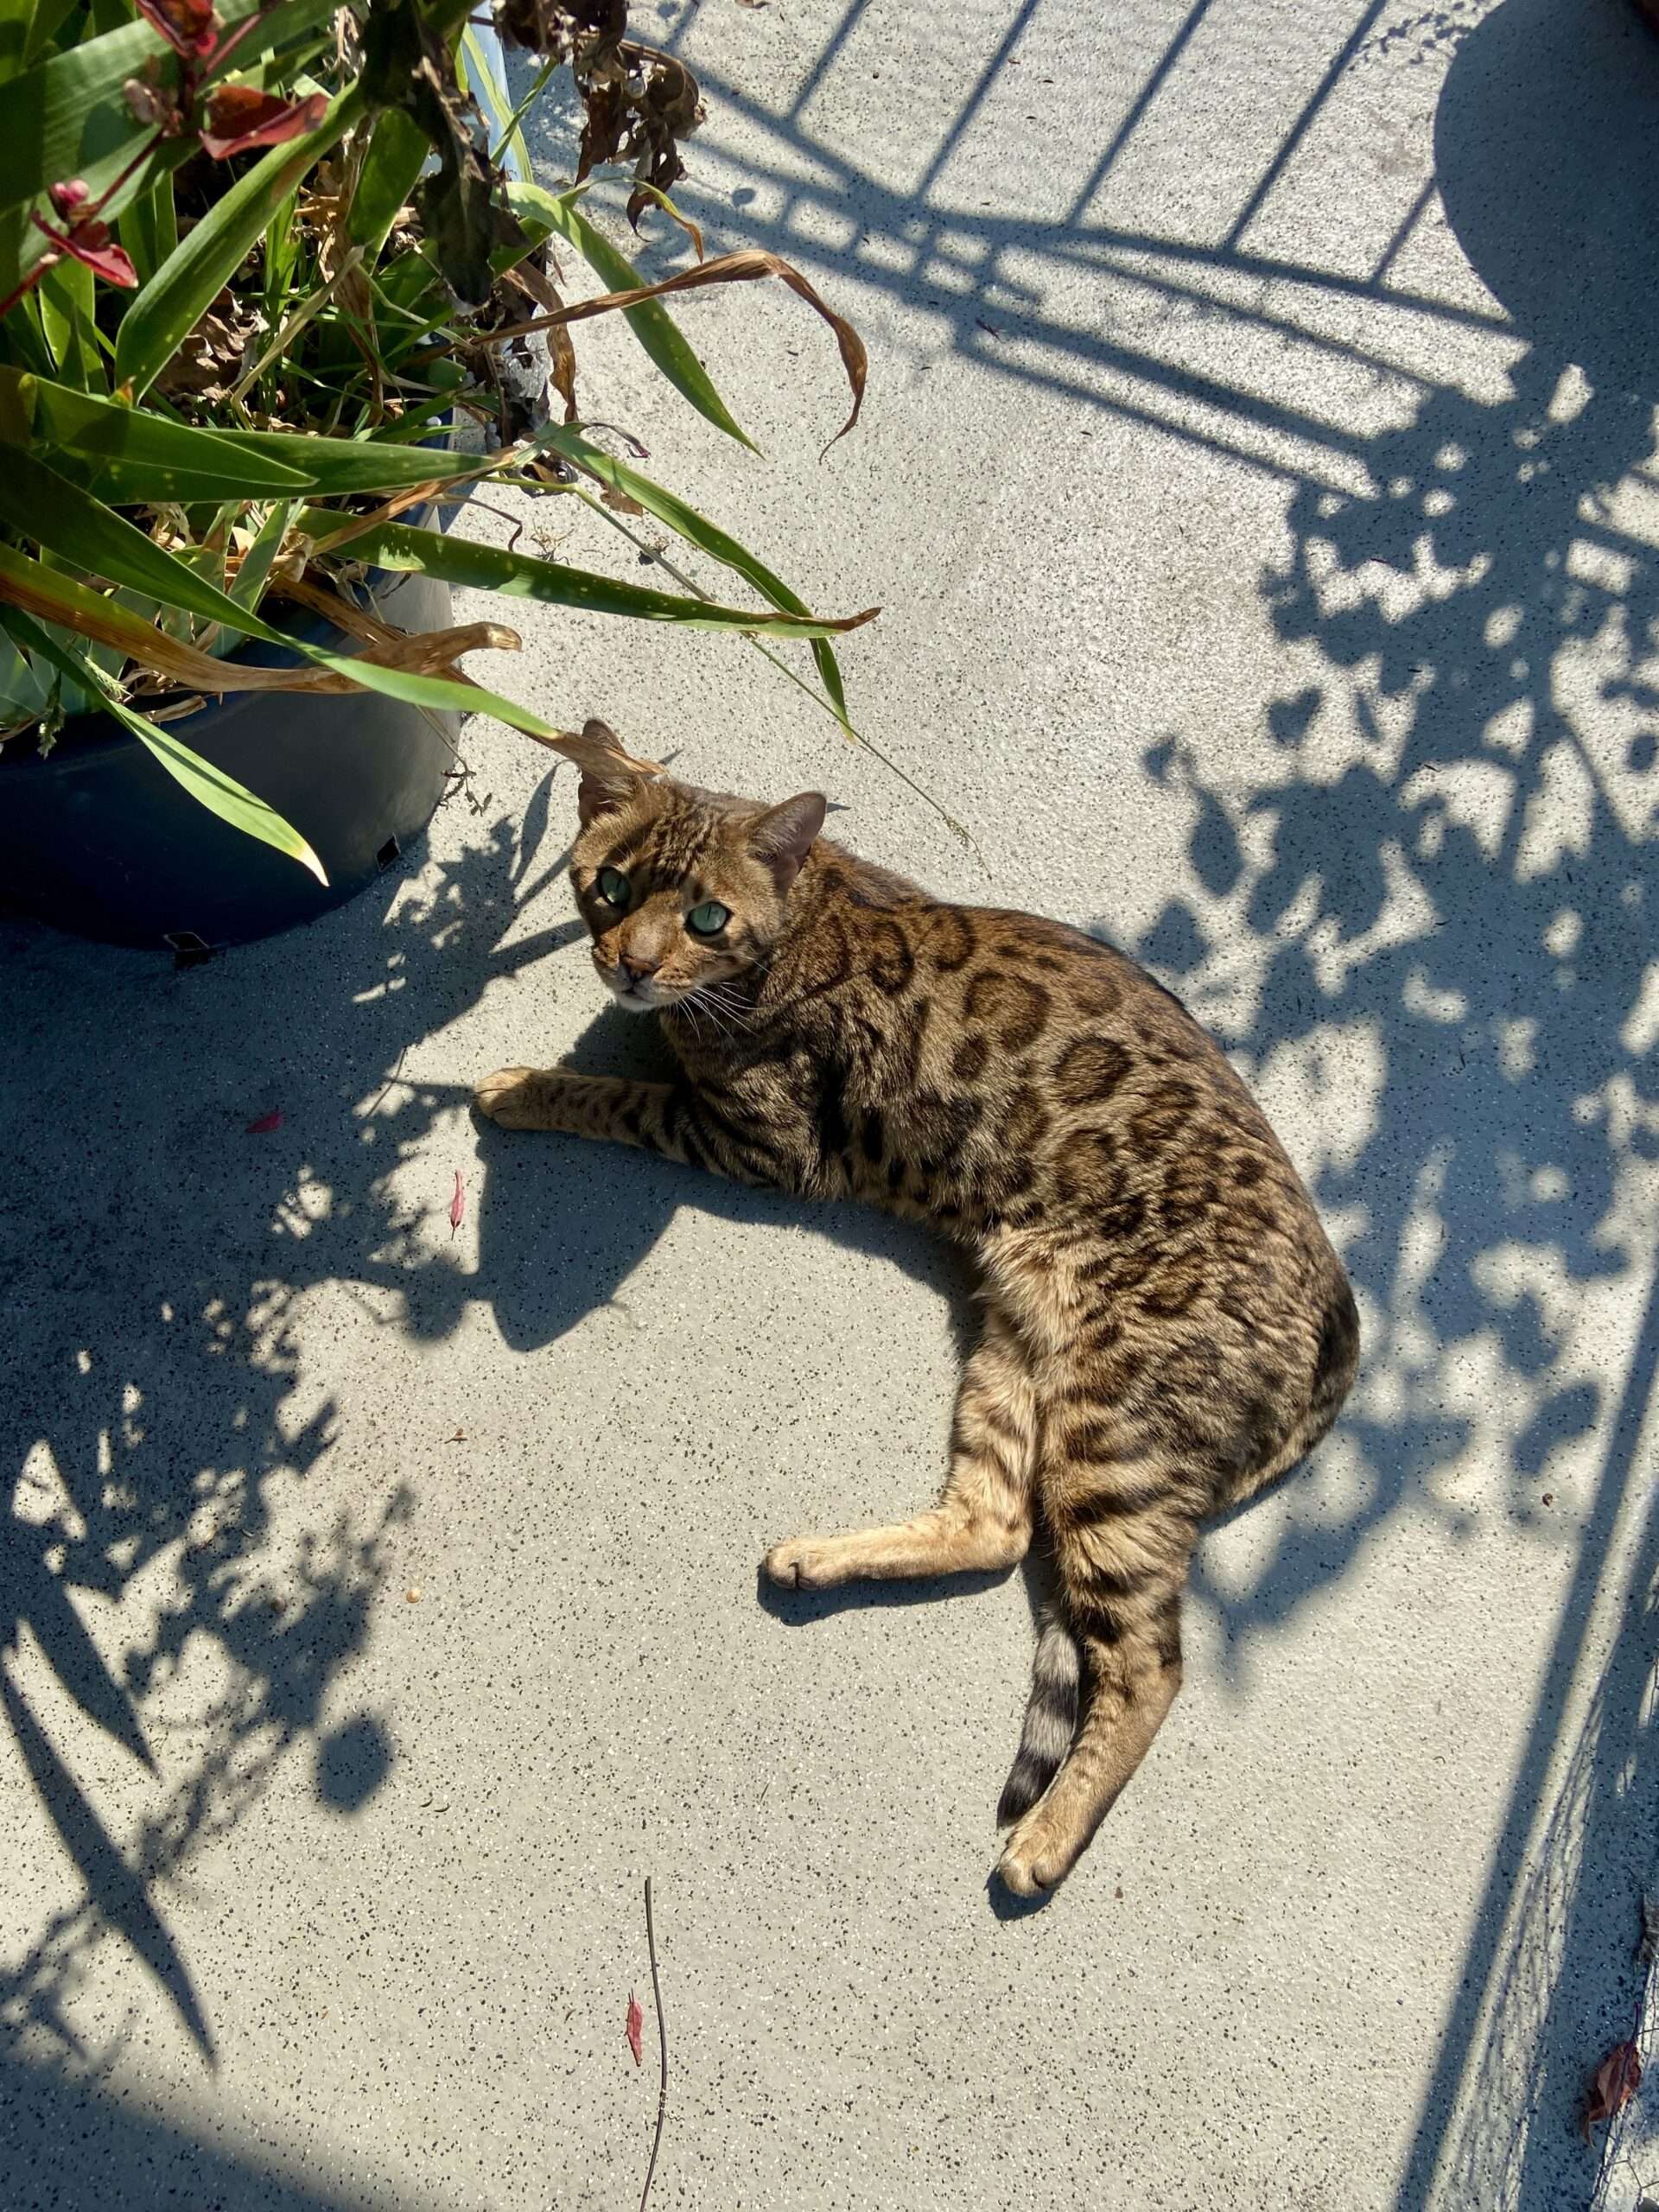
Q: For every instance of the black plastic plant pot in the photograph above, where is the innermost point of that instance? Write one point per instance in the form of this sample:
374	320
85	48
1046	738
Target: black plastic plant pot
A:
98	839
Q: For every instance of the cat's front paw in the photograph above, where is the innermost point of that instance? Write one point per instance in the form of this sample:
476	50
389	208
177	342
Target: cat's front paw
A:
1036	1857
509	1096
806	1563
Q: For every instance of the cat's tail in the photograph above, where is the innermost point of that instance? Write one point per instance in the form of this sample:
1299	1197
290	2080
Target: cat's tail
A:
1051	1717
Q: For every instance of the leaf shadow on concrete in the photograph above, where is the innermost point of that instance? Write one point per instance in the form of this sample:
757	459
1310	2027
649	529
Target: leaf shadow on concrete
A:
158	1429
1470	904
144	2162
159	1266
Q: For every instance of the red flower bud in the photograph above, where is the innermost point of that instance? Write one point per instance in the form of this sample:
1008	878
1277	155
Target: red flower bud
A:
89	242
190	26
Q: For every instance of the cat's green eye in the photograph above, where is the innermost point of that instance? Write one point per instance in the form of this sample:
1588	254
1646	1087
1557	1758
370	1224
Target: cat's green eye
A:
613	886
708	920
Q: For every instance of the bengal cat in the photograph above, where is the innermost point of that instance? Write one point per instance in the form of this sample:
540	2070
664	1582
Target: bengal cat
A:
1167	1328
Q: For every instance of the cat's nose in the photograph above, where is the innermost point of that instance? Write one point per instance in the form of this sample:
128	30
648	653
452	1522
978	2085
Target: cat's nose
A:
637	966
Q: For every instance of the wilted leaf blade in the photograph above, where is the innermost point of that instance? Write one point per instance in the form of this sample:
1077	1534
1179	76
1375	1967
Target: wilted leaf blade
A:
1616	2081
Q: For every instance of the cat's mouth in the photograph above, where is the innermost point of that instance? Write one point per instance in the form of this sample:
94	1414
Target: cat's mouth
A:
640	994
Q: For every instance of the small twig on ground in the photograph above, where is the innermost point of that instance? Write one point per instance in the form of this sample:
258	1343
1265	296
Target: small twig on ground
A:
386	1086
662	2045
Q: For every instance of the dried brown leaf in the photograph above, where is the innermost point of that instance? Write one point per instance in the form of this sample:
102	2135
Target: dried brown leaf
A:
212	354
434	653
639	101
648	195
428	652
418	495
636	2022
534	283
596	746
356	621
746	266
562	367
1615	2083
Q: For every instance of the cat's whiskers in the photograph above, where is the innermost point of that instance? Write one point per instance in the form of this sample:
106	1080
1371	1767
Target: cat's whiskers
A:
730	1000
685	1003
719	1017
742	1009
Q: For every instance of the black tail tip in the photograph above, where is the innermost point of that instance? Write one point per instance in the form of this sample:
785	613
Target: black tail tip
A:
1025	1783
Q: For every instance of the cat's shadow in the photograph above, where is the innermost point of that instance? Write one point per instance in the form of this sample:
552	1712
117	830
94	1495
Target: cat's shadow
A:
570	1221
800	1608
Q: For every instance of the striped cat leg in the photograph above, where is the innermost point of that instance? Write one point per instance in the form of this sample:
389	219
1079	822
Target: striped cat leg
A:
610	1108
984	1519
1122	1543
665	1117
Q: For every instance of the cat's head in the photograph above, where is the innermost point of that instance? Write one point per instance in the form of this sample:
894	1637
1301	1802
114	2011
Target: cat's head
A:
683	889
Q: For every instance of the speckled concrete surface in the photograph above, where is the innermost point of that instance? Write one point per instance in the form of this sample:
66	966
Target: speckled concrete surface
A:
1267	539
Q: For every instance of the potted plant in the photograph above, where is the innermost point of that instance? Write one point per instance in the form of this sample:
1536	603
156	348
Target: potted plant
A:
264	267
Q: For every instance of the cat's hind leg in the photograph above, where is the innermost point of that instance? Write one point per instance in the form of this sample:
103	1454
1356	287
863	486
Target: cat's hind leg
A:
984	1519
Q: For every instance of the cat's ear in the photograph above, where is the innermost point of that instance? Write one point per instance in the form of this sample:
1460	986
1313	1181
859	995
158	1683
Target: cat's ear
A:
609	779
783	835
604	790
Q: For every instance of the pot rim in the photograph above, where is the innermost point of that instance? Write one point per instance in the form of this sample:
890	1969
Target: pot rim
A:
93	735
90	735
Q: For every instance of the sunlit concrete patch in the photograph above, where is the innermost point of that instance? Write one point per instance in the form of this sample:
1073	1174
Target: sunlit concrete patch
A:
1267	538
